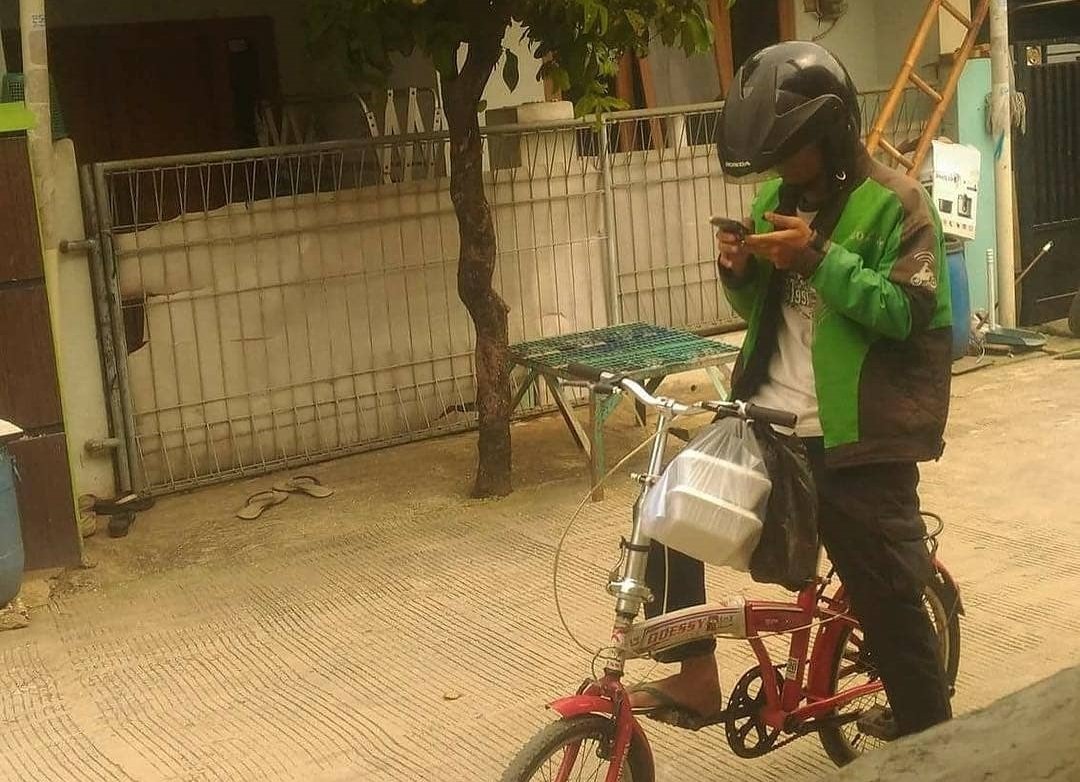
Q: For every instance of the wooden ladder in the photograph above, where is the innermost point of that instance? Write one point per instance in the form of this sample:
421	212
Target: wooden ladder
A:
908	75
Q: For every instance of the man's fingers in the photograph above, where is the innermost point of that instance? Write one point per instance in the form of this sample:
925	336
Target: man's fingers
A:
773	239
783	221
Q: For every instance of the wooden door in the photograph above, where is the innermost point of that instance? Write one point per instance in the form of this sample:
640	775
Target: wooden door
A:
161	88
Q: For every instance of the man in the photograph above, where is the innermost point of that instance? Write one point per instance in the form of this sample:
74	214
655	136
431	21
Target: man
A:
843	285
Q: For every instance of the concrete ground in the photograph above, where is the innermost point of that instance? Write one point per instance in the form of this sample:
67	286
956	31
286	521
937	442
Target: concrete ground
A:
398	631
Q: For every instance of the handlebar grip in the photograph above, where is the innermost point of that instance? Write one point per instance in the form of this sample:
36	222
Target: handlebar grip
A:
585	372
770	416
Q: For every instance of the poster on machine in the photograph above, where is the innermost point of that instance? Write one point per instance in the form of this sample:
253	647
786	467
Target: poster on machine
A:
951	174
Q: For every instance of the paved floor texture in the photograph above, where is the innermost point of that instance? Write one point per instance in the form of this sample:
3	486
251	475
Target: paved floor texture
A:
398	631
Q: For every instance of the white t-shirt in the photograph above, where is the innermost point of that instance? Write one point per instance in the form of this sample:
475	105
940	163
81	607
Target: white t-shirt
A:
790	384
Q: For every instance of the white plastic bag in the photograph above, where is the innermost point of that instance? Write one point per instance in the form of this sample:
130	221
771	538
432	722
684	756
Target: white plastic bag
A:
711	500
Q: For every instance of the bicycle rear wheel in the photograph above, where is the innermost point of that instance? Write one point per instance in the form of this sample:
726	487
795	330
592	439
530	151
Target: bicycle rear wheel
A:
845	743
574	749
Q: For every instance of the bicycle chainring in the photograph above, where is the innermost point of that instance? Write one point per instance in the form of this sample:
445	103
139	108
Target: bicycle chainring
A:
747	734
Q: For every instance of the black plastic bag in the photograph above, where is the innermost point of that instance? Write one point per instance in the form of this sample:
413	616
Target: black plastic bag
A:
787	553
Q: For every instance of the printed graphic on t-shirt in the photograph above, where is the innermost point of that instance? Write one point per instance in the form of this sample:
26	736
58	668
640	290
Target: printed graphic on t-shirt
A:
800	295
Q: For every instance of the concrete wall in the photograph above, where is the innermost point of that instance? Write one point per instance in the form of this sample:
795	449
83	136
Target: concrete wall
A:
896	23
79	359
853	39
682	80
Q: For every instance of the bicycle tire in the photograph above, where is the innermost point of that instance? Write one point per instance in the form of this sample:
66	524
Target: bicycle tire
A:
637	766
840	749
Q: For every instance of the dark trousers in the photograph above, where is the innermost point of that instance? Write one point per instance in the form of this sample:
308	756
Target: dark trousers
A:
870	524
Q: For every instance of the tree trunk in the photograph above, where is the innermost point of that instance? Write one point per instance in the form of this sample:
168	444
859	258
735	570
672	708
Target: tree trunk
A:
476	266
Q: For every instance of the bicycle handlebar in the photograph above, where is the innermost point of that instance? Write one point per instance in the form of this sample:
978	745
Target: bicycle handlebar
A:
746	410
771	415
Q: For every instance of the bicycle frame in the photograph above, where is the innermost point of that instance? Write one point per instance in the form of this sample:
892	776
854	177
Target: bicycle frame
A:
735	618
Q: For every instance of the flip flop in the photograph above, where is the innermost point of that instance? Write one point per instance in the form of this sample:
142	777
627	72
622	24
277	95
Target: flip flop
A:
304	484
670	712
259	502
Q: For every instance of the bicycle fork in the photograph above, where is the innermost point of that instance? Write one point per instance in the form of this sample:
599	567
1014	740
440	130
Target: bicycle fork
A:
628	587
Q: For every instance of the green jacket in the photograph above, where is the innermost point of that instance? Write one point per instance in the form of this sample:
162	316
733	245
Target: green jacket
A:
882	333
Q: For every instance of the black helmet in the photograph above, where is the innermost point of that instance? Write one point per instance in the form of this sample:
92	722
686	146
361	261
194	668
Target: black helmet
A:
783	98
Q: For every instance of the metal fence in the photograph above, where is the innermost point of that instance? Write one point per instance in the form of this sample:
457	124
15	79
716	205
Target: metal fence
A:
278	306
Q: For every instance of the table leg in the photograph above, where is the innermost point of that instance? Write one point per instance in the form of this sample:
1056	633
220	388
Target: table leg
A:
651	385
601	406
577	431
721	379
530	379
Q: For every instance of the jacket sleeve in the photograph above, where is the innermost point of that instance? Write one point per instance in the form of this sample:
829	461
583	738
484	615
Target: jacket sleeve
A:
743	292
900	297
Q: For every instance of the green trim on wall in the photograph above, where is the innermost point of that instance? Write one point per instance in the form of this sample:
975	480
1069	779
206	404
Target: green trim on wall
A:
971	113
15	118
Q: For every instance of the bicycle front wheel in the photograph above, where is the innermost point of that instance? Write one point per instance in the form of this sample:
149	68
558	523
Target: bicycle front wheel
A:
577	748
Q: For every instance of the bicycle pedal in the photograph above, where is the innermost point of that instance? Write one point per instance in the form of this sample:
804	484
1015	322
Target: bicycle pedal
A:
878	722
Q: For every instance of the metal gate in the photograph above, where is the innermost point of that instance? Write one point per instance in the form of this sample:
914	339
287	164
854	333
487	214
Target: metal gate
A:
1048	175
272	307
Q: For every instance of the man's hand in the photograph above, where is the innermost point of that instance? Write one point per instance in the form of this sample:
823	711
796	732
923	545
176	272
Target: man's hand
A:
785	248
734	254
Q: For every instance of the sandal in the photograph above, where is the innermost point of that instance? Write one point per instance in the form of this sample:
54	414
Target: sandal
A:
259	502
304	484
670	712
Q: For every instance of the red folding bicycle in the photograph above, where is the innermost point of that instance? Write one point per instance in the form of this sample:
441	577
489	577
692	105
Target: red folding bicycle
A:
826	686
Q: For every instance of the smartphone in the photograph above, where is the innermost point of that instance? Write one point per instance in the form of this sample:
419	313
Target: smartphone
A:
728	226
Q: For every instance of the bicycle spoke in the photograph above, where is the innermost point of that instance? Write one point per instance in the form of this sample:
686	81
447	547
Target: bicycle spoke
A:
583	752
596	774
850	670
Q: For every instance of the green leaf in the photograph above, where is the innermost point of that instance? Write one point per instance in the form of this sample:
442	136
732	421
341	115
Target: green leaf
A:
696	36
591	9
560	79
637	21
511	74
605	19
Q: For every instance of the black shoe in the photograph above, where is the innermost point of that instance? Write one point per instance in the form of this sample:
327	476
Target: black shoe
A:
879	723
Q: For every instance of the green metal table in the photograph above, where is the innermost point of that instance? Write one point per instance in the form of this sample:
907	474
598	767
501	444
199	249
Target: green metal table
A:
639	351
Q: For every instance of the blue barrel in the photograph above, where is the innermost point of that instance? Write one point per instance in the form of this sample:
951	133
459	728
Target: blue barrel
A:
11	545
961	299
